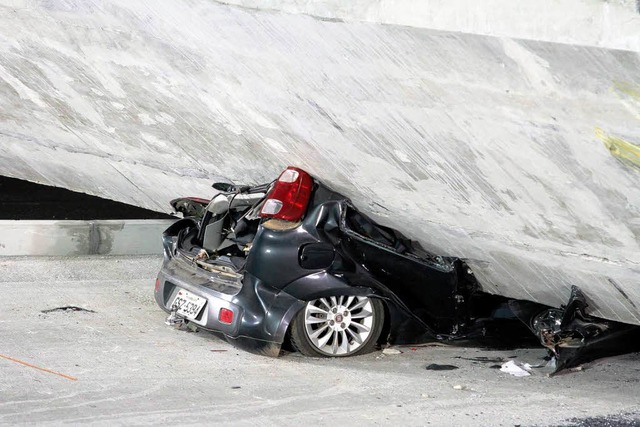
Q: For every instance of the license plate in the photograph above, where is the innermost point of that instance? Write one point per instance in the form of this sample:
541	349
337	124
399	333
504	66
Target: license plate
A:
187	304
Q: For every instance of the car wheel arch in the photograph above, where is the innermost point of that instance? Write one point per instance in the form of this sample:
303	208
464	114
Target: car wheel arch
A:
324	285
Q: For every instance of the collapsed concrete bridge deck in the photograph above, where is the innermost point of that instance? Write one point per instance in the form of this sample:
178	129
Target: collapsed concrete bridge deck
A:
515	148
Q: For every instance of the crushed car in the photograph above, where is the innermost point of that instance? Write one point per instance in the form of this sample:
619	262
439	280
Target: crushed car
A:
294	263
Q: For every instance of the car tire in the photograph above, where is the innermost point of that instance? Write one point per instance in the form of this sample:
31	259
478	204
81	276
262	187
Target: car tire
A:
338	326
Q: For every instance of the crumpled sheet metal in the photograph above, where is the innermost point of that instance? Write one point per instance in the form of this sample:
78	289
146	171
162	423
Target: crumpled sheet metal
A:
573	336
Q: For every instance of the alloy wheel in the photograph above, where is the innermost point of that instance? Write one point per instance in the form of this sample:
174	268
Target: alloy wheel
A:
338	326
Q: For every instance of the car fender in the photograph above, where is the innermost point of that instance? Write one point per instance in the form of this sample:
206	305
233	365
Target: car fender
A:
324	284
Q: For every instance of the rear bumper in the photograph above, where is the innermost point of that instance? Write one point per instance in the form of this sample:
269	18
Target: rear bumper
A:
261	314
177	273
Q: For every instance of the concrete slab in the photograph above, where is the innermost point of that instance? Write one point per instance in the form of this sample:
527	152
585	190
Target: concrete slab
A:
127	367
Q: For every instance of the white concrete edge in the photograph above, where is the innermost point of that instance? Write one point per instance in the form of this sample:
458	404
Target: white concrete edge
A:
71	238
602	23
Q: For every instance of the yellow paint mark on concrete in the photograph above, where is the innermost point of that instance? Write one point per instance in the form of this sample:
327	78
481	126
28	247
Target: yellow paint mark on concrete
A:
629	96
621	149
630	89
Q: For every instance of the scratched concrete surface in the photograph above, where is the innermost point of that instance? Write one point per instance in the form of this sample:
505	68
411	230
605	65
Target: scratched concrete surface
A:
607	23
496	149
132	369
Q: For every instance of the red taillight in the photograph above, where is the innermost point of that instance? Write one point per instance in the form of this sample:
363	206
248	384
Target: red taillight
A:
289	197
225	315
157	284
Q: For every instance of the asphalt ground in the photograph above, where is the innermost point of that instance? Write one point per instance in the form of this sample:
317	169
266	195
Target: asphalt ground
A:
120	364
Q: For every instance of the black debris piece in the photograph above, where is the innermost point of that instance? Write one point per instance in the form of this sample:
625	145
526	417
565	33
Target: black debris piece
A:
67	309
436	367
483	359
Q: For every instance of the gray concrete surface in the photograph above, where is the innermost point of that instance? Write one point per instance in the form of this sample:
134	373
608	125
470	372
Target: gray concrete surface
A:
131	369
71	238
521	155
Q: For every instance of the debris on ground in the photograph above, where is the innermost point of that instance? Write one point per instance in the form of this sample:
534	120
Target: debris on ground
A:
191	327
391	350
482	359
436	367
514	369
67	309
459	387
574	337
